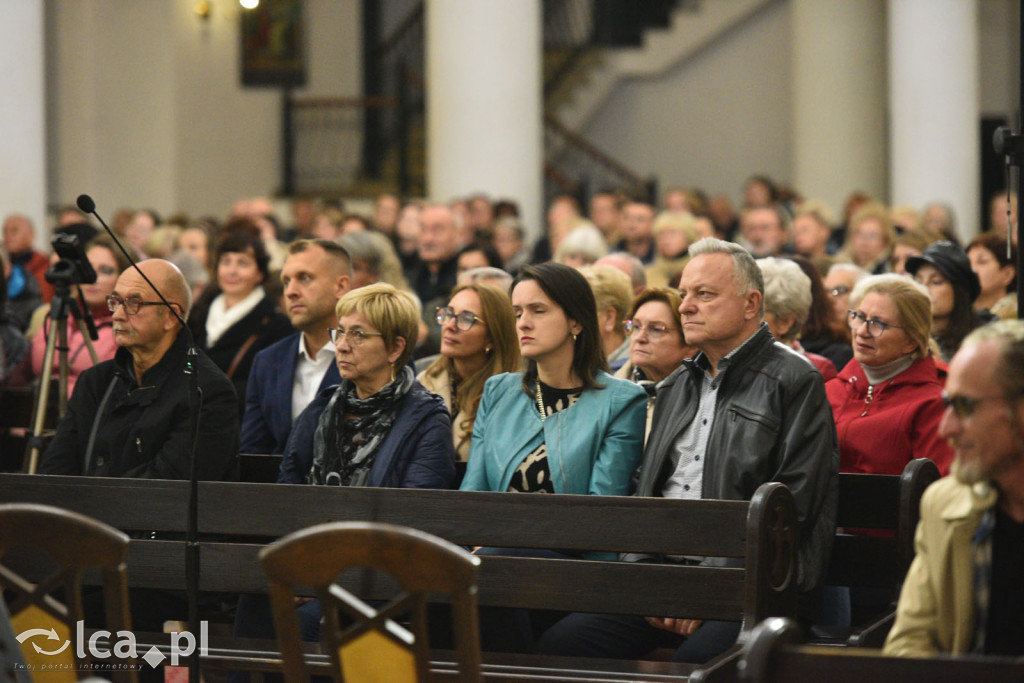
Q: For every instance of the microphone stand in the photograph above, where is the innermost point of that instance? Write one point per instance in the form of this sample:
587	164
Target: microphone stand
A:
88	206
1011	145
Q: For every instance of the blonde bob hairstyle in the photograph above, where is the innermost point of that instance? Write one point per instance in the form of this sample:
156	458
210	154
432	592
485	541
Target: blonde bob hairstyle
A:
912	302
390	311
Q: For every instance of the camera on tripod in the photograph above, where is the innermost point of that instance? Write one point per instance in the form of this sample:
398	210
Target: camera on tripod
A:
73	268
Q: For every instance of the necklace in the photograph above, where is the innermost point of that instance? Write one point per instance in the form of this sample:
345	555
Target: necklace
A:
540	402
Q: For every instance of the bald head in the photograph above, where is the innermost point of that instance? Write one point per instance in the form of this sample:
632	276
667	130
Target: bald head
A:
165	275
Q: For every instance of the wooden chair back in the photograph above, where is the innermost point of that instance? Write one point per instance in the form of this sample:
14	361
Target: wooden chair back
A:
75	544
371	644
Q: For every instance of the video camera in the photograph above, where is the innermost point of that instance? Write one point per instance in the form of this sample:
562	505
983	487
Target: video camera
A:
73	268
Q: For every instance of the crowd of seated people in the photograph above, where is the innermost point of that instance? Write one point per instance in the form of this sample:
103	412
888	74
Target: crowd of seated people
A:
319	326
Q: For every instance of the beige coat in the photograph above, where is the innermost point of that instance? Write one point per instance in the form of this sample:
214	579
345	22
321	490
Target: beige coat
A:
936	608
442	386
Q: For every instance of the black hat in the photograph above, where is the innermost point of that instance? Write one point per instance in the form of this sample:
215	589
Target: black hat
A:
952	262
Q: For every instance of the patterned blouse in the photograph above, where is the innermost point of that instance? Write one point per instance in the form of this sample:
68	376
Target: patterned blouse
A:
534	475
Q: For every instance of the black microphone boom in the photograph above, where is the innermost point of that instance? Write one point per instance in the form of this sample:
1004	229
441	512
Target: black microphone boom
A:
86	204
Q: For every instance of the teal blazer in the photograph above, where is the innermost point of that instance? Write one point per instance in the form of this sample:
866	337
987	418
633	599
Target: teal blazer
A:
593	446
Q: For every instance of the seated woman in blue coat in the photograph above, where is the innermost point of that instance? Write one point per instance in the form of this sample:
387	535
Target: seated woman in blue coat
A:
563	426
379	427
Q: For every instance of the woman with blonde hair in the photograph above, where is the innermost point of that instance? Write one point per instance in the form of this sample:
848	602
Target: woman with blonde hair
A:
674	232
870	238
478	341
887	401
379	427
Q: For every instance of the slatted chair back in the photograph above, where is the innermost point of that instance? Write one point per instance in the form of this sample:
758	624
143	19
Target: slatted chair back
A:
75	544
370	643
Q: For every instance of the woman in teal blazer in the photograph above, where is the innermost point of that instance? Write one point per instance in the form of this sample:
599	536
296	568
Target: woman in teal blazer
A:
564	425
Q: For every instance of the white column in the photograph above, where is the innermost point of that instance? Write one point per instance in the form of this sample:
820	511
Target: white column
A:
933	106
838	58
484	102
23	114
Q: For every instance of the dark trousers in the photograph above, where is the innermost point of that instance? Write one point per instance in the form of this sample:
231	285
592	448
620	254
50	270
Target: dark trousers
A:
627	637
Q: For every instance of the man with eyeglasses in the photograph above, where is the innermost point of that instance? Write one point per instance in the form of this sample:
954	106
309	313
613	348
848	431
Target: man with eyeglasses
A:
129	416
963	592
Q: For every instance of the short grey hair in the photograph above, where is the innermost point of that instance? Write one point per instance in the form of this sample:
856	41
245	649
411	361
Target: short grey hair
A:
637	273
787	291
584	240
486	275
746	274
1009	369
857	271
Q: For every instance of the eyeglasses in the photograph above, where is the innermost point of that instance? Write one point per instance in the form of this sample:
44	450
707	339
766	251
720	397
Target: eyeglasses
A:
839	291
355	335
876	327
655	331
463	321
964	406
131	304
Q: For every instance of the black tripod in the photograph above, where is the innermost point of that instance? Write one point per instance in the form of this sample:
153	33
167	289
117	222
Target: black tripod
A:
63	275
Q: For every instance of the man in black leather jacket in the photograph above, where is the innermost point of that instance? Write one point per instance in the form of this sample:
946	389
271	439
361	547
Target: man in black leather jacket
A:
744	411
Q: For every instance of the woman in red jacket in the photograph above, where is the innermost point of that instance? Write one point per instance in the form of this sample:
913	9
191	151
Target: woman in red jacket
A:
887	401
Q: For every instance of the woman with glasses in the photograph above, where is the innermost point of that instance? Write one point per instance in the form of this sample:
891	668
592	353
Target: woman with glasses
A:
478	341
108	262
379	427
656	343
887	401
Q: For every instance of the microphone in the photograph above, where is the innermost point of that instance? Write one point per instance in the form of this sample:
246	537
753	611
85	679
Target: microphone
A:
87	205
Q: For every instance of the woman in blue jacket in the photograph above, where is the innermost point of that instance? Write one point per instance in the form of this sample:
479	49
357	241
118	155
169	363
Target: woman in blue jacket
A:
563	426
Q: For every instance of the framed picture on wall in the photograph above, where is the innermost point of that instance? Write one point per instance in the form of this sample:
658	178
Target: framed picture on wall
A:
273	44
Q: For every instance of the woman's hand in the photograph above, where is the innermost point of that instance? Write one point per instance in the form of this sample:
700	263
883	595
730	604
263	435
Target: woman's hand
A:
683	627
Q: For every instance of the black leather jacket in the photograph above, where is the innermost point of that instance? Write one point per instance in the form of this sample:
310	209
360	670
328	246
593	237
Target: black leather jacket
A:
772	423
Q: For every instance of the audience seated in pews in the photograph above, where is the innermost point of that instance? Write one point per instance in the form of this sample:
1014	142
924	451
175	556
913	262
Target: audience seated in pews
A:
744	411
963	593
887	401
287	375
478	341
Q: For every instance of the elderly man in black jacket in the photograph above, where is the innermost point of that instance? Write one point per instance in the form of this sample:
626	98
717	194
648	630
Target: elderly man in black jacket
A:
129	416
744	411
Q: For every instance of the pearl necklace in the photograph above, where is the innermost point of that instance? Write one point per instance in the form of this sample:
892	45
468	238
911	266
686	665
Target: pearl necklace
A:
540	403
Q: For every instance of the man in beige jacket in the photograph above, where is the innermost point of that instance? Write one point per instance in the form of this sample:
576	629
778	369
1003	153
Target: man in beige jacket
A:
963	592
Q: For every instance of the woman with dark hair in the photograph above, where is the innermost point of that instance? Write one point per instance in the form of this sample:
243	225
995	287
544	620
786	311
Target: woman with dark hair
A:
237	318
945	271
997	275
823	333
477	255
564	425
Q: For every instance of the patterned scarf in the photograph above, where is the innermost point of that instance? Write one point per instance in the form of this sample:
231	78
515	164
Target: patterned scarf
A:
344	449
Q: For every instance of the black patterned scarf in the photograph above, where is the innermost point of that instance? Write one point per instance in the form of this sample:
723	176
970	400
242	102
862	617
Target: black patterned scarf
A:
344	449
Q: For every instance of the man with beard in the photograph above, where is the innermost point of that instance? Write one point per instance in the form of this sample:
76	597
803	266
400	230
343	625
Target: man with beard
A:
963	593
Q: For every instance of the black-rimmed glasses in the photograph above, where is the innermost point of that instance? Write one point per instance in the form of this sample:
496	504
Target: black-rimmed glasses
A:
964	406
463	321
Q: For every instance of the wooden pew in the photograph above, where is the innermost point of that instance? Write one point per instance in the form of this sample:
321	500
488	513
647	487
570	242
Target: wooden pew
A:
760	535
880	503
773	655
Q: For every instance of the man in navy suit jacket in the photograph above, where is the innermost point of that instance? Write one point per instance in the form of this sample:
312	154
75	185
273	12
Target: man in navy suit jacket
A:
286	376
